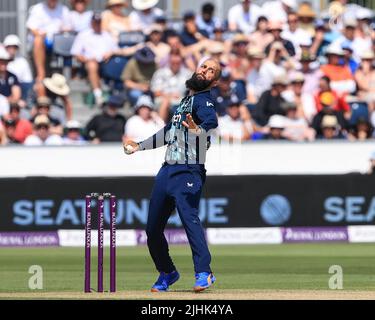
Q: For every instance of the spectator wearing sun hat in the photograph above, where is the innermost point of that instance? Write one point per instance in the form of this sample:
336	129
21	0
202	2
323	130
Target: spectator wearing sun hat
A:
306	18
42	135
114	20
275	27
145	14
330	129
9	84
275	128
73	136
145	122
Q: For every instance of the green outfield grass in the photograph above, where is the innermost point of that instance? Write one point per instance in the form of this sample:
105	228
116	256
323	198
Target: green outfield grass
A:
242	268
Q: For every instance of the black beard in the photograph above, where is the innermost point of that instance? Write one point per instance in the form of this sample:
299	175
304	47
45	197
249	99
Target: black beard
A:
196	84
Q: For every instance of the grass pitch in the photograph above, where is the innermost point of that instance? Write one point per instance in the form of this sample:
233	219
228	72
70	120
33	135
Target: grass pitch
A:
288	271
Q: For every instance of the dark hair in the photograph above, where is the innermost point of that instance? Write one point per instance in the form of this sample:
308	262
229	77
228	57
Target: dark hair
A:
208	8
326	79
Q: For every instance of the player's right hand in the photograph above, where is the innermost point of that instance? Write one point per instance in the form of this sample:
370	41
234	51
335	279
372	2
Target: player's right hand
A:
130	147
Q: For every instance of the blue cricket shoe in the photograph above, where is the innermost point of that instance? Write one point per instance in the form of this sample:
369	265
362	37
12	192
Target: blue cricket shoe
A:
203	280
164	281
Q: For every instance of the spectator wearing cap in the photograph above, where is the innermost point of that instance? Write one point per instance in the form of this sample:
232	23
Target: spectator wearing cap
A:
145	14
235	125
92	47
155	43
80	17
261	37
365	79
138	73
168	85
9	84
255	57
207	21
18	65
46	19
362	130
372	164
330	129
304	101
296	35
340	75
275	128
279	9
109	125
57	89
275	27
310	69
73	134
191	34
270	102
306	18
238	62
42	135
43	106
226	89
17	128
296	126
145	122
114	21
243	16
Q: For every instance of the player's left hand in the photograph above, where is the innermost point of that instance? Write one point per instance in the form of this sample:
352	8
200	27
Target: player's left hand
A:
190	124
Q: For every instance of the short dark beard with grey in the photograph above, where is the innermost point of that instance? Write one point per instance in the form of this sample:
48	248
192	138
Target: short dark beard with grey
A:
196	84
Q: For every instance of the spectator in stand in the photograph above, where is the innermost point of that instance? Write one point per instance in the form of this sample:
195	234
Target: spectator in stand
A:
296	35
57	89
109	125
327	101
275	128
138	73
238	62
42	135
296	126
18	65
191	34
4	105
9	84
114	20
92	47
7	130
207	21
306	18
340	75
255	57
145	122
304	101
216	50
161	49
279	9
365	79
168	86
330	128
361	131
73	134
145	14
309	67
235	125
275	28
46	19
43	106
226	89
372	164
326	95
364	32
80	16
270	102
17	129
243	16
261	37
348	59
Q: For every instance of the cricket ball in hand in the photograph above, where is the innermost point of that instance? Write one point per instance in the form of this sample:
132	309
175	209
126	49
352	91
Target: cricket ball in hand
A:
128	149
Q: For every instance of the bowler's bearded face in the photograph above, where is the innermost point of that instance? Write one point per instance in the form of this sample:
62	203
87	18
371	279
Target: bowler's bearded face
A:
205	76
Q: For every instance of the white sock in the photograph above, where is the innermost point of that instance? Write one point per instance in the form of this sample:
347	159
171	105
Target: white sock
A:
98	93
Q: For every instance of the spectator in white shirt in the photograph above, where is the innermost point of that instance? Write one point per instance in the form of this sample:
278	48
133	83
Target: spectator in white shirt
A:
244	16
73	134
279	9
168	85
155	43
145	122
80	17
145	14
235	125
46	19
92	47
42	135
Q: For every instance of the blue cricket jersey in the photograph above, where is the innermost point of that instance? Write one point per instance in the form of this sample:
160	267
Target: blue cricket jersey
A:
186	146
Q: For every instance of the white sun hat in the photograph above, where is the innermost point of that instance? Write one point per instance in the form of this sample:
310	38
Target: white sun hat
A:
57	84
12	40
144	4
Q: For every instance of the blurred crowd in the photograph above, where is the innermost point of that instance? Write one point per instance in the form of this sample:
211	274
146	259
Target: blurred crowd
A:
289	72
